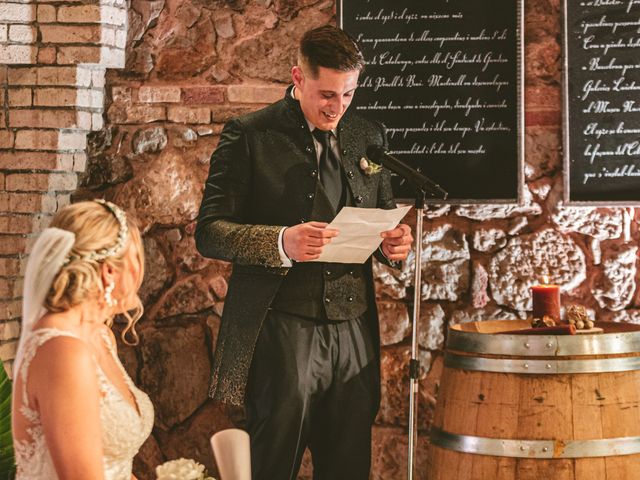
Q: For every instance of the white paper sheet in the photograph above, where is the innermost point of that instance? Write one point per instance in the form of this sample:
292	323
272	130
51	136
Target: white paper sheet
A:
360	230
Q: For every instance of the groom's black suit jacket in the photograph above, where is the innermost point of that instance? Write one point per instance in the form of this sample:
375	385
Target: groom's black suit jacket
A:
263	176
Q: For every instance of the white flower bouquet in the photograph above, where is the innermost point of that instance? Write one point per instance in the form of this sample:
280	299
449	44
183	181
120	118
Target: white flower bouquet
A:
182	469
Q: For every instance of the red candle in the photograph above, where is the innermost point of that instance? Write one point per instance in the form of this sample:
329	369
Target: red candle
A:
546	301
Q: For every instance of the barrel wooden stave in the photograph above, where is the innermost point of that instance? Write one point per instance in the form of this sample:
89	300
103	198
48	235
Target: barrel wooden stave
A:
449	465
585	406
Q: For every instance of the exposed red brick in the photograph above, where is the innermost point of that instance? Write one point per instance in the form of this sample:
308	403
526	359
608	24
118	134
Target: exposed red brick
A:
203	95
254	93
29	203
136	113
10	288
159	94
44	119
22	76
46	14
10	309
47	55
40	182
9	266
23	224
56	97
9	330
8	352
36	139
62	76
20	97
74	55
11	244
6	139
189	115
36	161
79	13
57	33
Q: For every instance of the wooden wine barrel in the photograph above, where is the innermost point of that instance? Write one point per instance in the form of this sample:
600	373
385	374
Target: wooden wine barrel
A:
544	407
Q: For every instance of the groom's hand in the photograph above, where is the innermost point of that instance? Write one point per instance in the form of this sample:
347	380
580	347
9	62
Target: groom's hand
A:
305	241
396	243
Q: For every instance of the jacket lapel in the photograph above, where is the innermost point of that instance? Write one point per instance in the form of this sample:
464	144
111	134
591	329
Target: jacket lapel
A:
352	148
297	127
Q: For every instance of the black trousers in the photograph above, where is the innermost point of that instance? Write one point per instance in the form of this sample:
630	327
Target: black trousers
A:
312	385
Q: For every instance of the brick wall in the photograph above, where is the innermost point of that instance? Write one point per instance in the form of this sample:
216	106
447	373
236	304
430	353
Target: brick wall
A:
53	59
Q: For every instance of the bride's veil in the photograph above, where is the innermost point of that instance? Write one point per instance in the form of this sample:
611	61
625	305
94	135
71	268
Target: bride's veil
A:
45	260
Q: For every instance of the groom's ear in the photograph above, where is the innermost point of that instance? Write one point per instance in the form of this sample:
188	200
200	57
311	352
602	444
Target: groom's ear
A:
297	76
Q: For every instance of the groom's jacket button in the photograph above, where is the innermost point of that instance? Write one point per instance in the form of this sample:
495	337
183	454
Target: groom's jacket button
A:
328	272
310	196
359	199
308	149
350	298
302	220
350	174
314	173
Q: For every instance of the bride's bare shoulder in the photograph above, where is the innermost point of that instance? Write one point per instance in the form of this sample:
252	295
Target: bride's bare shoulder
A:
64	346
63	370
61	360
63	350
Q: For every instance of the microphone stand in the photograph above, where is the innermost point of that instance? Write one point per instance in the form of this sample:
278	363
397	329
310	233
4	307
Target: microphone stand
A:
414	362
423	186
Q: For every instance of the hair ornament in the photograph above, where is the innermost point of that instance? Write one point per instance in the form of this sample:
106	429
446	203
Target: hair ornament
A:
115	249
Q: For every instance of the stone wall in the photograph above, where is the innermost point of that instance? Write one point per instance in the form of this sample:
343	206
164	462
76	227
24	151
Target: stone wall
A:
191	65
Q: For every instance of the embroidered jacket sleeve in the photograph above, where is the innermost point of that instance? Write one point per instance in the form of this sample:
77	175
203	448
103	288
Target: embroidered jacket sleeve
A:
222	231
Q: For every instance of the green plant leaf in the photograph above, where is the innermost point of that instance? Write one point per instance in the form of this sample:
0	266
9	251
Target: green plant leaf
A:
7	461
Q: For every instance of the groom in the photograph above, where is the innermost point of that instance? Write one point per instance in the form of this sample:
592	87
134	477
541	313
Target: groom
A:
299	341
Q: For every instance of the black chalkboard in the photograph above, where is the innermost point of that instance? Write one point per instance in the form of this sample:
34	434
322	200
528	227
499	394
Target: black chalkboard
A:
602	101
445	77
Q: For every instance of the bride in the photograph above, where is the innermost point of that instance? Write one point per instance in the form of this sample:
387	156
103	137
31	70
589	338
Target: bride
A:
76	412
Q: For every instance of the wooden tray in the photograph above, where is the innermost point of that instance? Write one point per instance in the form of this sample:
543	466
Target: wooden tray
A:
593	330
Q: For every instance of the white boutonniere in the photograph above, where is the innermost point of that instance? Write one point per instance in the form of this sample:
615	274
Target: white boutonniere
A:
368	167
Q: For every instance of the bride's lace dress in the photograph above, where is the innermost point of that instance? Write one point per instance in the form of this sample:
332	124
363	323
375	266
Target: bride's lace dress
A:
124	430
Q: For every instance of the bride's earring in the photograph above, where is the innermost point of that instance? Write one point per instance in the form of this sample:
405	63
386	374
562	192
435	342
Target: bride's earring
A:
108	298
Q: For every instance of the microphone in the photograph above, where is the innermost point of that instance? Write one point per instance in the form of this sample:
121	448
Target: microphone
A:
379	155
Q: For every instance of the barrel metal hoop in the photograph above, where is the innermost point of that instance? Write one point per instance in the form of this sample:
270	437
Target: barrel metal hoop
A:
544	345
541	367
498	447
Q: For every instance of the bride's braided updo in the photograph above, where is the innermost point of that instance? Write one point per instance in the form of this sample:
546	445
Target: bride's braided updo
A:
103	235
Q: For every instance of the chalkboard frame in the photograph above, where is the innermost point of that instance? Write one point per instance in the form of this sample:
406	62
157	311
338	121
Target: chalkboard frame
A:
566	130
520	118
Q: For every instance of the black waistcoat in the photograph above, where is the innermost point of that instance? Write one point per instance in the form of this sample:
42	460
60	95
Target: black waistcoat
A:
324	291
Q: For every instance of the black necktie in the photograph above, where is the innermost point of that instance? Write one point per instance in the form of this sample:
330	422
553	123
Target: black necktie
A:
329	167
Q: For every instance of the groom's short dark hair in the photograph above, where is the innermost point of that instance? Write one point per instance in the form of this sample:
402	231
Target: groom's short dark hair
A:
329	47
